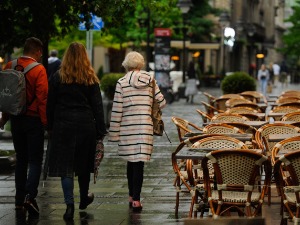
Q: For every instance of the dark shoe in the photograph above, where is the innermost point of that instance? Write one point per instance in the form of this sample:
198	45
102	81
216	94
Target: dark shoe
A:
31	207
69	214
88	200
137	206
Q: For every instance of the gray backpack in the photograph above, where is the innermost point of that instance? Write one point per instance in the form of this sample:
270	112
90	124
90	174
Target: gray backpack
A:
13	89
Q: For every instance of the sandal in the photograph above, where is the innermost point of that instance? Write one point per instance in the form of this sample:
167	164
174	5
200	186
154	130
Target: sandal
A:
137	206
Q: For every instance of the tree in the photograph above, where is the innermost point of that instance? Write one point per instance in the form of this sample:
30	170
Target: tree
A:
47	19
292	37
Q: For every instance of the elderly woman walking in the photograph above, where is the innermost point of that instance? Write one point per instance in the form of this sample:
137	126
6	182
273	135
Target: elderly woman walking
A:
131	124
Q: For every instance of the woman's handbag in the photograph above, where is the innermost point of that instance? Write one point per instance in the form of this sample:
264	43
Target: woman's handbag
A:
98	158
158	124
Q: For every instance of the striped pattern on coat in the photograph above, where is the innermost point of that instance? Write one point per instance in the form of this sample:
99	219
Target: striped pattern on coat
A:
131	124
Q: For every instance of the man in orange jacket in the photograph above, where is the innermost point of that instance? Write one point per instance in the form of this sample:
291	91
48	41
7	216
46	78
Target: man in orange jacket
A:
28	129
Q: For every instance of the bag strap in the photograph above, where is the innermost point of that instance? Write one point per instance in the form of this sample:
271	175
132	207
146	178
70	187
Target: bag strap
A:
153	91
14	63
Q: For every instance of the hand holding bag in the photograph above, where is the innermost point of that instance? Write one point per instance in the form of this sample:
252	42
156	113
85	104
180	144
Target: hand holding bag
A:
158	124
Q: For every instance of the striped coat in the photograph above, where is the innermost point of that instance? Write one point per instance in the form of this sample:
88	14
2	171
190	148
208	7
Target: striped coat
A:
131	124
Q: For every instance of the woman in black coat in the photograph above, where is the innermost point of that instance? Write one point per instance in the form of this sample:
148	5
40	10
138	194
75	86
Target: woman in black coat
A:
75	122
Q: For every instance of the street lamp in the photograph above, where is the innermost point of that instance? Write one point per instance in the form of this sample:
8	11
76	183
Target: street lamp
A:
184	6
224	20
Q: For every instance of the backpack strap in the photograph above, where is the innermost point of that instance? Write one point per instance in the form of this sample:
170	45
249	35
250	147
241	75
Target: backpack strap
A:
30	66
14	63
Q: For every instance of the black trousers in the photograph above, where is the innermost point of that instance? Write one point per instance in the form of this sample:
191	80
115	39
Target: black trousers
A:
28	140
135	177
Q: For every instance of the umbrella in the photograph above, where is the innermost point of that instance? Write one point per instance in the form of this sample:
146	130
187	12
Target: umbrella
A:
98	158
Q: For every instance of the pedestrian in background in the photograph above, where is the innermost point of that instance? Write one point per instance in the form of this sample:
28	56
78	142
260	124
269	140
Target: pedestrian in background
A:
75	122
263	77
131	124
276	71
53	63
191	84
28	129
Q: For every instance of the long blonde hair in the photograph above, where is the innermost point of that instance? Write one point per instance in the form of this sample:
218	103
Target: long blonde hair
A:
76	67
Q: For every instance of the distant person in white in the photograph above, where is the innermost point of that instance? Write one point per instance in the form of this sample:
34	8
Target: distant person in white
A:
53	63
276	71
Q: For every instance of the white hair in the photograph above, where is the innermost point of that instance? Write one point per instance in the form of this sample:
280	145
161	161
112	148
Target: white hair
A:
133	60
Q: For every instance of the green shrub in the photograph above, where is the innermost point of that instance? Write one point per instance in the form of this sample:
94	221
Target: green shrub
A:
108	84
238	82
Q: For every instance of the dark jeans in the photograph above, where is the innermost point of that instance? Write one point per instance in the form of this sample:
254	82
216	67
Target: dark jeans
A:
67	184
28	139
135	177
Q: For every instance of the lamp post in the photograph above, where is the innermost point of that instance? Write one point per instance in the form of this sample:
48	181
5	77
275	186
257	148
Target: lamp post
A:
184	6
224	20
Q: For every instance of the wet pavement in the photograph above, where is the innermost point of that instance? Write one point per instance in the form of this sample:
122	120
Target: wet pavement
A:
110	206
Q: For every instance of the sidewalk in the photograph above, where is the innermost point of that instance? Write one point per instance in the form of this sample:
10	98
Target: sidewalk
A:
111	196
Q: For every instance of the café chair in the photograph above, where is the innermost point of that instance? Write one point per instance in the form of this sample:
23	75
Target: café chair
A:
233	101
226	117
236	190
289	192
292	104
293	116
220	102
195	172
205	117
287	145
250	105
221	128
251	95
281	109
211	110
262	141
241	110
184	182
210	98
184	127
281	100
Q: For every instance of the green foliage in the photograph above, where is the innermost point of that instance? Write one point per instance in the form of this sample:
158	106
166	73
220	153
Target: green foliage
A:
291	38
108	84
238	82
100	73
6	153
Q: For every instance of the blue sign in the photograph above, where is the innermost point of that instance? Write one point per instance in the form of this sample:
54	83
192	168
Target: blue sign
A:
96	23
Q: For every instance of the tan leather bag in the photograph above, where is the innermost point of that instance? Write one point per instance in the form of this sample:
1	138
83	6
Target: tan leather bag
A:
158	124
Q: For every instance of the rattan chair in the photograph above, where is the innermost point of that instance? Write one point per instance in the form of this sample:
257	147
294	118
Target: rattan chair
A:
262	141
195	172
183	127
293	116
286	146
241	110
281	100
236	172
233	101
290	195
261	135
281	109
211	99
250	105
220	102
210	110
205	117
226	117
291	104
221	128
184	182
254	95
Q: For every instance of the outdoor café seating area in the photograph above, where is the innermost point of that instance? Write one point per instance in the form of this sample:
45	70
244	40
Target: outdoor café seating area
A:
243	145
